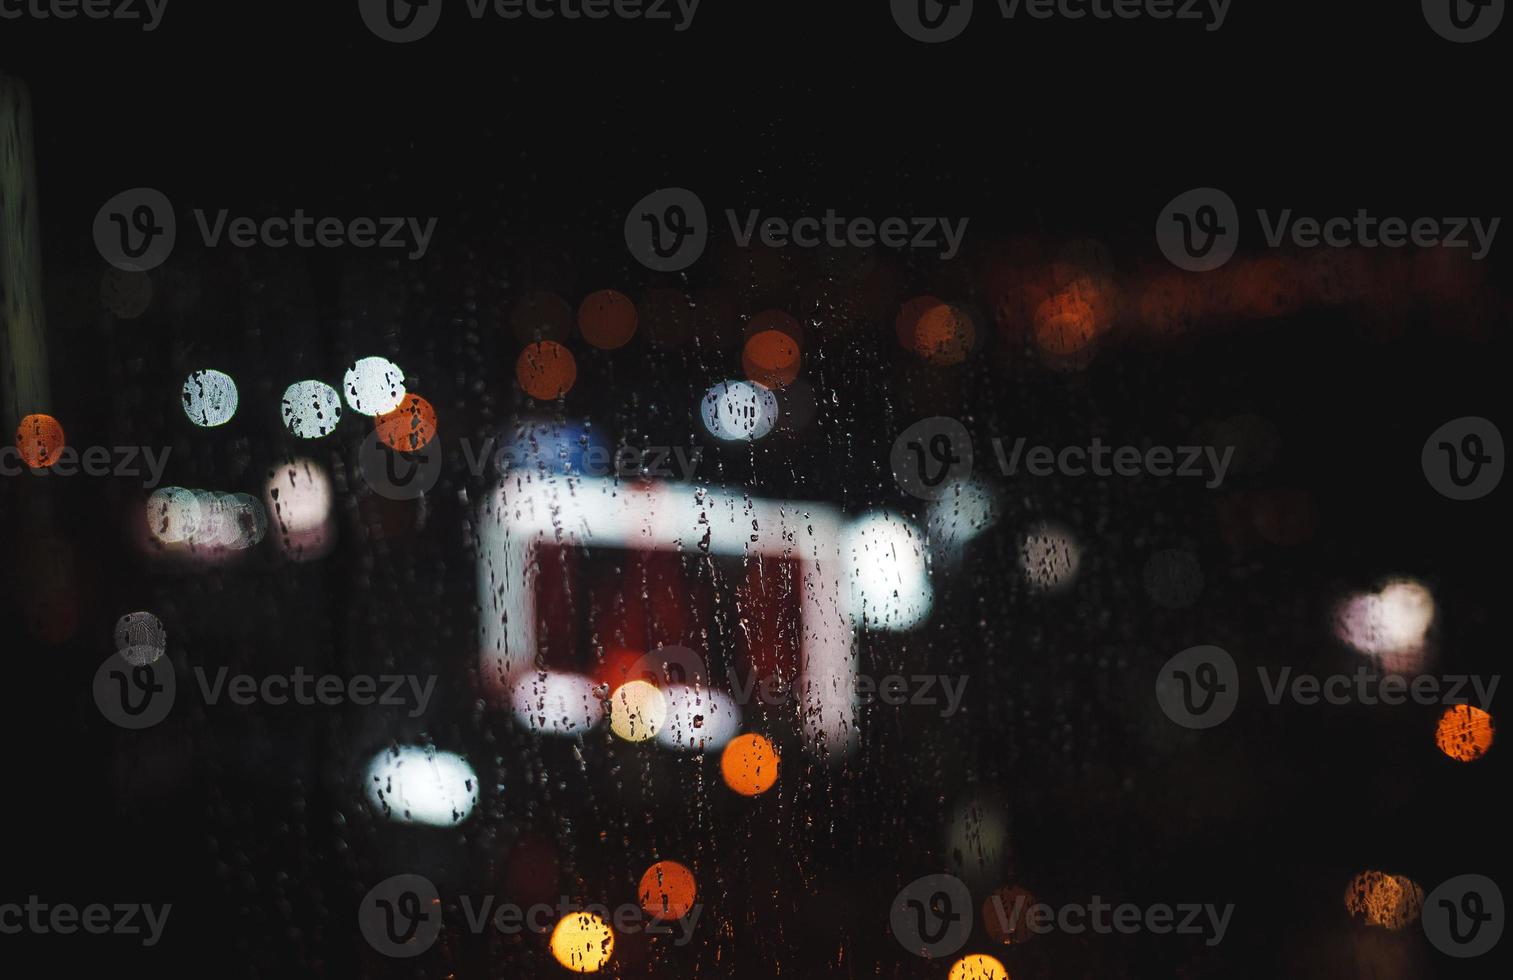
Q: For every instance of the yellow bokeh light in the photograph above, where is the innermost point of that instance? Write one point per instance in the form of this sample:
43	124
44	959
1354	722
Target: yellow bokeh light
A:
749	764
583	942
978	966
637	711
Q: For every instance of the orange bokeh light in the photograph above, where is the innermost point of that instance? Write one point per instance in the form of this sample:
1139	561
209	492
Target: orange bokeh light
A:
607	319
1465	732
749	764
944	335
1390	901
40	440
771	358
546	370
906	324
410	427
667	890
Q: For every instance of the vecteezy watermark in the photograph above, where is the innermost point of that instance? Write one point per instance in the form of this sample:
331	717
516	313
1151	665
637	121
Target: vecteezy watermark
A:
933	454
137	229
402	21
64	919
1200	687
125	462
1463	21
932	917
149	13
399	475
933	21
1464	916
940	235
402	917
135	695
668	230
670	665
1199	230
1463	459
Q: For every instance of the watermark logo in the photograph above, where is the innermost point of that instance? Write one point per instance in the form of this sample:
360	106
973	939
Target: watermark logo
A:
401	916
932	916
1464	916
403	21
932	455
940	235
396	475
148	12
1199	687
124	462
1463	459
400	21
137	696
1463	21
64	919
136	230
667	230
932	21
1199	230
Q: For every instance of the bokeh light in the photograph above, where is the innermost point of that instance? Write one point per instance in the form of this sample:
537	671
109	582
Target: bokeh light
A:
1049	558
890	581
374	386
410	427
1006	915
667	890
413	784
210	398
583	942
735	410
906	323
944	335
749	764
636	711
556	703
977	966
140	638
1389	901
1390	625
771	358
1465	732
311	409
40	441
607	319
546	370
698	719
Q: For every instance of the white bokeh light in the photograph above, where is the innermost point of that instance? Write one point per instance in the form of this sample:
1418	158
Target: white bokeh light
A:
1049	557
1391	625
734	410
556	703
890	583
140	638
311	409
374	386
698	719
416	785
210	398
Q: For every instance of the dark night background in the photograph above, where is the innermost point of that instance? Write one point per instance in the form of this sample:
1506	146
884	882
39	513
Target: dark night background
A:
528	141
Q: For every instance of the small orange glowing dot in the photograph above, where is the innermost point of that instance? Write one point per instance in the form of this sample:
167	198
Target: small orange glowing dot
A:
583	942
40	440
607	319
944	335
1465	732
667	890
410	427
771	358
546	370
978	966
749	764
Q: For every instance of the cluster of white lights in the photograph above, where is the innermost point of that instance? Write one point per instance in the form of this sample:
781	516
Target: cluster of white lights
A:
205	519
